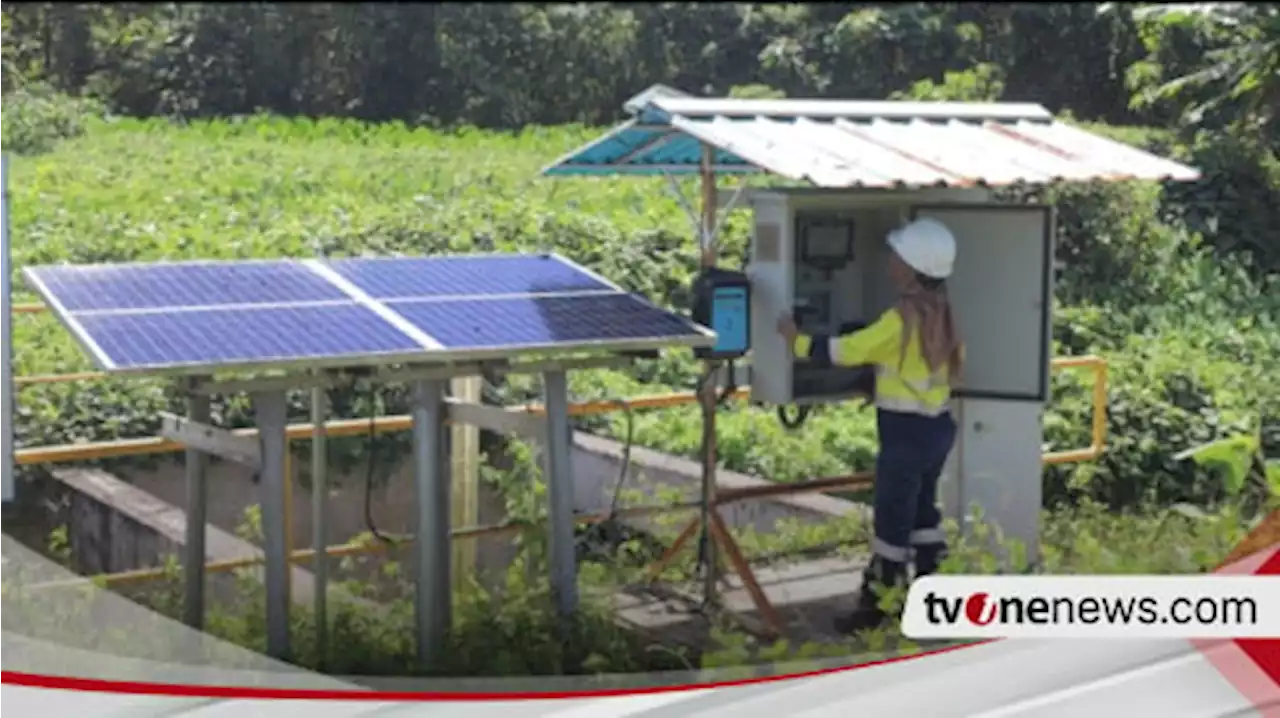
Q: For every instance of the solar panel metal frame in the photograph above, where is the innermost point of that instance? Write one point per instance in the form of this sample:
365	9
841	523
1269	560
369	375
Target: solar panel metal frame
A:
699	336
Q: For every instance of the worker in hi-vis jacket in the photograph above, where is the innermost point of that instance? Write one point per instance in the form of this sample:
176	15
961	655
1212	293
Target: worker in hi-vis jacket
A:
918	357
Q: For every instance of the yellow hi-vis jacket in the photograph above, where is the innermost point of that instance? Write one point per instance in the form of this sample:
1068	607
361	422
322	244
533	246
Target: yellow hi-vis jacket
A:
903	384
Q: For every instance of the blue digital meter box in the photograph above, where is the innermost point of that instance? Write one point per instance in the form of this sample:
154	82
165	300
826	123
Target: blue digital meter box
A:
722	303
729	320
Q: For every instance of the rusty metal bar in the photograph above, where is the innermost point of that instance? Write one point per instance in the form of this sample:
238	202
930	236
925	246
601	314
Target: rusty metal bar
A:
686	534
863	480
354	549
740	566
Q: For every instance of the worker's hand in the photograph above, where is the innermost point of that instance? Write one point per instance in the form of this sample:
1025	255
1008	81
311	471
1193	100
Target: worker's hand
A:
787	328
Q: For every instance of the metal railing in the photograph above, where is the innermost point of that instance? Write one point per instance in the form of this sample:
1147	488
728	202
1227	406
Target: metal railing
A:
119	448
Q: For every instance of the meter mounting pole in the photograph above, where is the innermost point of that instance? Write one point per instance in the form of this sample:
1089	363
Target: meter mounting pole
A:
707	393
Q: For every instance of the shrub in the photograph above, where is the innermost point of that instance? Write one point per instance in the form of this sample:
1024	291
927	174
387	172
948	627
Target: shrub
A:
37	117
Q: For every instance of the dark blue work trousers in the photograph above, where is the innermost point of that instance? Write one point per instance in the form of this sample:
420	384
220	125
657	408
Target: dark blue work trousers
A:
913	451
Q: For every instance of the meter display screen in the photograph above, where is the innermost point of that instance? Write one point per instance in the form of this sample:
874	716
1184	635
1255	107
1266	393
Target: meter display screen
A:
823	242
729	319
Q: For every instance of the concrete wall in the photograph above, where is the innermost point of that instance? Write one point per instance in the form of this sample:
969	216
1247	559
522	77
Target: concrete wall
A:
232	489
596	470
118	526
115	527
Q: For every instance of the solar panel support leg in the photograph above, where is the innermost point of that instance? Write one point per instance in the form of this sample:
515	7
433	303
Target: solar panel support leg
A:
433	606
270	408
319	534
196	464
559	471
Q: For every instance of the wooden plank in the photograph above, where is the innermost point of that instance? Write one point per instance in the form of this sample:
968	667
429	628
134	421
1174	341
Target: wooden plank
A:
212	440
494	418
465	479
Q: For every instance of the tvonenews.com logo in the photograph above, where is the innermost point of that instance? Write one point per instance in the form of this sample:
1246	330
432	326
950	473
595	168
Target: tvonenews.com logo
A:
1081	606
983	609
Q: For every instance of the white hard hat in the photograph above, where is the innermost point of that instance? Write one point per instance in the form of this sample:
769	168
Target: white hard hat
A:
927	246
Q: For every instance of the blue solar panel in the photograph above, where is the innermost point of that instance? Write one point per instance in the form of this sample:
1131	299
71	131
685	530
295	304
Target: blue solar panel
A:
401	278
243	336
542	321
161	286
200	316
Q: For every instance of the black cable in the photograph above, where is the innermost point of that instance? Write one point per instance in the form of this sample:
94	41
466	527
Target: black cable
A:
729	388
625	471
793	422
730	384
610	532
372	449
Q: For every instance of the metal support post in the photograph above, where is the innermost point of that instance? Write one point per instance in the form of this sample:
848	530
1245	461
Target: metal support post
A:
193	555
707	397
434	598
270	408
707	402
319	496
559	472
7	466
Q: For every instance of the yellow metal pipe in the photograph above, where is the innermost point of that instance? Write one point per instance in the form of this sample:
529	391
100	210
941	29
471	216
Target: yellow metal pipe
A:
1098	438
34	308
1059	363
25	381
342	428
1100	404
388	424
1079	362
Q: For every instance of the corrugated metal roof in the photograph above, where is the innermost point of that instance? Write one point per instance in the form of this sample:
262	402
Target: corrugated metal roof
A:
836	143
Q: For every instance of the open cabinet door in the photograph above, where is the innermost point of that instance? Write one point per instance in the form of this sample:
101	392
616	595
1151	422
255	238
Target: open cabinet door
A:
1001	293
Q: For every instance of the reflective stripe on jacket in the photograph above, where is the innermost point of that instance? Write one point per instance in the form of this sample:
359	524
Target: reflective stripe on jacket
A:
903	383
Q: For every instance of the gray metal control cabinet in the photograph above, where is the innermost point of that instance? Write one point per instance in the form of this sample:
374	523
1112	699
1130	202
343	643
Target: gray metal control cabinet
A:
1000	291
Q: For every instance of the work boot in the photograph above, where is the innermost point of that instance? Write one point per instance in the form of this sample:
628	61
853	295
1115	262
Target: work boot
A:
867	614
929	558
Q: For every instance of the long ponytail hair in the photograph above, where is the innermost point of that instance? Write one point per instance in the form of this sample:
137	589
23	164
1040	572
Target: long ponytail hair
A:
924	306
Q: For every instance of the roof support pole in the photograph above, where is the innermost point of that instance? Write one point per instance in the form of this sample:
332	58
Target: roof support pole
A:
193	555
433	600
707	391
710	205
559	476
270	408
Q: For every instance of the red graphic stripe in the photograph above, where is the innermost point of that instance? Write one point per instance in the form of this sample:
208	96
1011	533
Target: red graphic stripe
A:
1266	651
1251	666
67	683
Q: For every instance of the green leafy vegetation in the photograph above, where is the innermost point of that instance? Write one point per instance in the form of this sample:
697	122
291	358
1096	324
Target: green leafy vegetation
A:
177	131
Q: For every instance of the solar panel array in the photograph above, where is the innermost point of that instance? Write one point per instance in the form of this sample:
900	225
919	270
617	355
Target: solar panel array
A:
198	317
